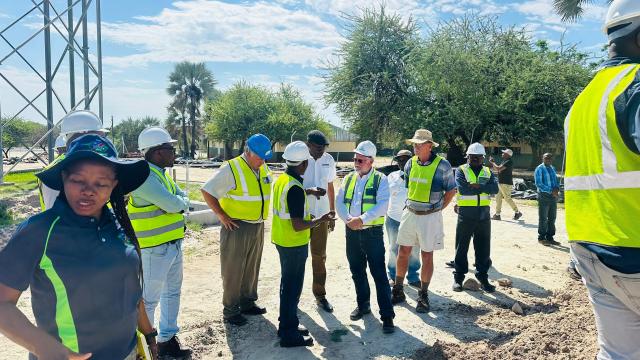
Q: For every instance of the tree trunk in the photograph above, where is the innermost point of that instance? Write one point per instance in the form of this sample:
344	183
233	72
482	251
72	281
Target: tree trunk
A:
536	156
184	136
192	115
228	150
455	156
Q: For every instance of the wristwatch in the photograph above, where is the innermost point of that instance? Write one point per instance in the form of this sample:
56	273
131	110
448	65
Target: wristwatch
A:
150	336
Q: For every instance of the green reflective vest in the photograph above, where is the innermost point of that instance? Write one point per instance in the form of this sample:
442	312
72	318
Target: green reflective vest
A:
43	206
421	179
370	193
282	232
154	226
250	199
482	199
602	177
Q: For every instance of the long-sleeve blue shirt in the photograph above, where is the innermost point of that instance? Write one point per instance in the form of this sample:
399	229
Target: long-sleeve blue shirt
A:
546	178
475	212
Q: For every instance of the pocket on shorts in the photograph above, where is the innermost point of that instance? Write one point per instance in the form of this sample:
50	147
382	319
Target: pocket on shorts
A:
630	285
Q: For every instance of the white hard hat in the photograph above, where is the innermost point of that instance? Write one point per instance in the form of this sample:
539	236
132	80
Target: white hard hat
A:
61	142
152	137
81	121
296	152
366	148
476	149
622	19
508	152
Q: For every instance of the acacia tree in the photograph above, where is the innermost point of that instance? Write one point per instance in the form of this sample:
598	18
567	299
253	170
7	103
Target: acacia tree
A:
125	134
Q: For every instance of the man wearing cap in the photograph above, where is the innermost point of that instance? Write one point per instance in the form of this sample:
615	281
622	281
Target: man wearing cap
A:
156	211
74	124
431	187
318	184
602	186
548	186
397	200
475	183
361	203
505	184
240	193
290	232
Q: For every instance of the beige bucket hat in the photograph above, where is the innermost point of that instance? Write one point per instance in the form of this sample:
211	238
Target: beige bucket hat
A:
422	136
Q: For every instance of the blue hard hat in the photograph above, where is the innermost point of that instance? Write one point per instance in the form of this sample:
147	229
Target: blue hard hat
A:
260	145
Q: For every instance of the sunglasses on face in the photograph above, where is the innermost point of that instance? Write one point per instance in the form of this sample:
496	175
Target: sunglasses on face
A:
167	148
359	161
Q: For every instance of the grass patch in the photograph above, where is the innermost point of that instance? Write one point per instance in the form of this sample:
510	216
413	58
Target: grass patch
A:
22	182
193	189
194	226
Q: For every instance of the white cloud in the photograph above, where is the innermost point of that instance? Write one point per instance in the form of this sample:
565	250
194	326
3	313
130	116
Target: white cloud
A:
543	12
218	31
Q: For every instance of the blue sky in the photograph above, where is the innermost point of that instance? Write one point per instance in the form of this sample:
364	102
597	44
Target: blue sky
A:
262	42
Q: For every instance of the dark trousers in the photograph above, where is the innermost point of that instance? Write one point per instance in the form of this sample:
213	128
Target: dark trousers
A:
547	209
367	246
292	263
480	230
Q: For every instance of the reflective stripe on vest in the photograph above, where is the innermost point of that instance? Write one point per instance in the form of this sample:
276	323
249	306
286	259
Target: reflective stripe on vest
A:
250	199
154	226
64	317
368	197
43	206
282	231
602	177
421	179
482	199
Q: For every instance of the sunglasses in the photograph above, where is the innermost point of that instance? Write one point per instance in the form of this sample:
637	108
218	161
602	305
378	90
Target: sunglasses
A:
167	148
359	161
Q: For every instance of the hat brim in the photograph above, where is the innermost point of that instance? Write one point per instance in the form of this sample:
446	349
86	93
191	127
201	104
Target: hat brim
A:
266	156
417	141
130	173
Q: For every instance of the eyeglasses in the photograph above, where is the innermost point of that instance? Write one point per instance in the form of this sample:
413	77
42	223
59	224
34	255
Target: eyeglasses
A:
166	148
359	161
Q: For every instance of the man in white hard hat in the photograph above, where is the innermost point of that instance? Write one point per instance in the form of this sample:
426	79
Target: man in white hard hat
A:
74	125
431	187
505	184
475	183
602	186
290	232
60	145
156	211
362	203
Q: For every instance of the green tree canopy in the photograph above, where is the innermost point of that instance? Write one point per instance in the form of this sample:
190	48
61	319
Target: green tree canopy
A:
126	132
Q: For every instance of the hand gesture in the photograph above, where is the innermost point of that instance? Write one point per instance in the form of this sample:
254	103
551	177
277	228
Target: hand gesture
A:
227	222
355	223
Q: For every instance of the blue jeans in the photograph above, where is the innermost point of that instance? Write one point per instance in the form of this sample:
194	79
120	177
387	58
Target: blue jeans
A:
292	263
392	227
162	269
367	246
547	209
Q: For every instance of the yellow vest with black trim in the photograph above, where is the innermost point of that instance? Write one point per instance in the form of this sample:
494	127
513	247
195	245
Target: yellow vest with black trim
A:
421	179
43	206
602	177
154	226
282	232
250	199
482	199
369	198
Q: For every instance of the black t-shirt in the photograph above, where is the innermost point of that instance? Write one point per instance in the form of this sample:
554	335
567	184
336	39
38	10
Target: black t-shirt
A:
506	175
296	198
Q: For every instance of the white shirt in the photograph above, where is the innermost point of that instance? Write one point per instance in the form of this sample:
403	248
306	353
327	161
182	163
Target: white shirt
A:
49	196
379	210
319	174
398	194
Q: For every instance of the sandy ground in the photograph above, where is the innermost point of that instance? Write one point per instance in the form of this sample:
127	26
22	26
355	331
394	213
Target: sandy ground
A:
557	323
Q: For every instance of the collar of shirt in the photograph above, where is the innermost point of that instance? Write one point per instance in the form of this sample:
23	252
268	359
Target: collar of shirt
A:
62	208
618	60
293	174
429	161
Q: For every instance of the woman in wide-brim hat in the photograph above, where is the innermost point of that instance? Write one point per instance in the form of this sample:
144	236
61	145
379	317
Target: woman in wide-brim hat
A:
81	261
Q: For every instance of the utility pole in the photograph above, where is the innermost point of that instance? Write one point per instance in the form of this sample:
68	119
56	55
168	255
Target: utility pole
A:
112	135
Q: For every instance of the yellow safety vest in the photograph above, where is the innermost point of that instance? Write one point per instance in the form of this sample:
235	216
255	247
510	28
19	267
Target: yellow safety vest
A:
250	199
370	193
282	232
421	179
602	178
55	161
154	226
482	199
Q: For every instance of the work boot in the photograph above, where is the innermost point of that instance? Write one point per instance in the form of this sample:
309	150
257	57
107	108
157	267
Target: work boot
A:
496	217
237	320
358	313
302	331
397	294
423	302
486	286
254	310
516	216
324	304
543	241
173	349
551	241
387	325
300	341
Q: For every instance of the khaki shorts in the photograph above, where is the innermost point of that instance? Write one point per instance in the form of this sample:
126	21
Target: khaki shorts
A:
424	231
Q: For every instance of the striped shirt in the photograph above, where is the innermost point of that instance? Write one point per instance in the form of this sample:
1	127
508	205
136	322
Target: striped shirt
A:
443	181
546	178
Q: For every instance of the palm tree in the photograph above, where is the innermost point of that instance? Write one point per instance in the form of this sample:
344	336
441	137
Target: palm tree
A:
189	84
571	10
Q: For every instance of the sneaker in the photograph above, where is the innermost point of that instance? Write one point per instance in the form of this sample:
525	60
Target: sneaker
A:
387	326
237	320
173	349
496	217
300	341
358	313
451	263
543	241
517	216
486	286
325	305
551	241
397	295
423	302
457	286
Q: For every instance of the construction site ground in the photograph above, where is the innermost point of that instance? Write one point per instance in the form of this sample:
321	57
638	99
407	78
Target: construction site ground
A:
557	322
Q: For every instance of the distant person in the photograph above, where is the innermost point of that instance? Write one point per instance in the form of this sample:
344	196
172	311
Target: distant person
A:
60	145
318	184
397	200
548	186
505	184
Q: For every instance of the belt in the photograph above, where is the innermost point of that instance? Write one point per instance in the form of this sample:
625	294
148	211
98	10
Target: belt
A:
423	212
